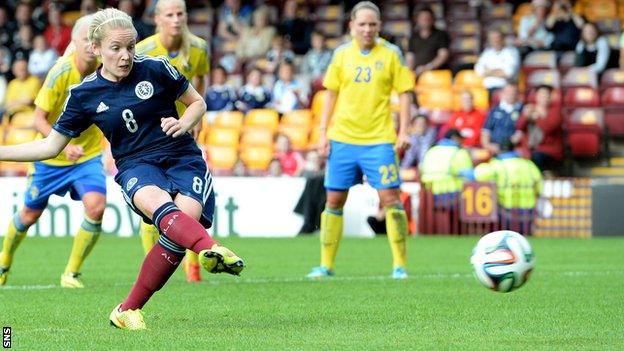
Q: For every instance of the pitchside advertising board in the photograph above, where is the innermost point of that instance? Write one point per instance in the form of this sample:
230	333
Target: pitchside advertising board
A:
246	207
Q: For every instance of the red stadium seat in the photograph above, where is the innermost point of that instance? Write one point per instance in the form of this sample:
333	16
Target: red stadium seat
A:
566	61
539	60
613	77
613	102
581	97
585	132
579	77
544	77
465	28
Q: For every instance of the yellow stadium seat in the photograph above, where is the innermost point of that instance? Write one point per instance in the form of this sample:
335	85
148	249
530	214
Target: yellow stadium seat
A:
231	119
329	12
467	79
13	169
297	134
599	9
221	157
223	137
257	158
256	136
314	138
298	117
436	99
262	117
25	119
434	79
16	136
70	17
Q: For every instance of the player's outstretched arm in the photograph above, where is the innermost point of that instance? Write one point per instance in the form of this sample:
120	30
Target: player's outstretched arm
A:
37	150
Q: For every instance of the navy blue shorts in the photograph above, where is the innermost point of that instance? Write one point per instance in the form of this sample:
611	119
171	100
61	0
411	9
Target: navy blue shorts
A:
179	174
78	179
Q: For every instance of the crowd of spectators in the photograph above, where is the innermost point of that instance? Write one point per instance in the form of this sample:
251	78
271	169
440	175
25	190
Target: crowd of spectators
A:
273	55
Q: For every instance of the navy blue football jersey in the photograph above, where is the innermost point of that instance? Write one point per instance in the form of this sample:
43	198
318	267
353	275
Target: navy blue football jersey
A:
129	111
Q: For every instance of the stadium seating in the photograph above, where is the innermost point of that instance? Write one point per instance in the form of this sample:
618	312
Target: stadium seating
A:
436	79
317	103
398	28
579	77
613	103
25	119
539	60
584	133
581	97
395	11
267	118
566	61
297	134
233	119
465	28
257	158
256	136
467	79
221	158
598	9
555	96
223	137
298	117
543	77
16	136
436	98
480	97
612	77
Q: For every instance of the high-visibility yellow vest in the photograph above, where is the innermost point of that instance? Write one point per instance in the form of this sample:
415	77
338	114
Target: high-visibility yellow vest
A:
441	167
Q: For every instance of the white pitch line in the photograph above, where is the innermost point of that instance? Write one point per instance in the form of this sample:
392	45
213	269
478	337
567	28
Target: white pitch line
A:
433	276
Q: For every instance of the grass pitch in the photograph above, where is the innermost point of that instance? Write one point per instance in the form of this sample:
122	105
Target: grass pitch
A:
573	301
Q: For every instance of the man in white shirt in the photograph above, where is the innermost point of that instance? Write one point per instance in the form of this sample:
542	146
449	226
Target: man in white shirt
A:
498	63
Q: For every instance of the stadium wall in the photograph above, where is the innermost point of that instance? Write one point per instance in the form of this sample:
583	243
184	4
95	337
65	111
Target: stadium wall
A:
246	207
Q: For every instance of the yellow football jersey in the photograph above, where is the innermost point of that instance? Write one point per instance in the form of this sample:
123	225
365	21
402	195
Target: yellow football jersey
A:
364	82
51	98
197	64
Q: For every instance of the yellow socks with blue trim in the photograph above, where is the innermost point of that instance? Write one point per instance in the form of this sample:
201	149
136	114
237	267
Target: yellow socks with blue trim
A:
85	239
14	236
149	236
396	226
331	233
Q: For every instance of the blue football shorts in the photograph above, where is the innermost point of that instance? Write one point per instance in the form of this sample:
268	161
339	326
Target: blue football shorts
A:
348	163
78	179
178	174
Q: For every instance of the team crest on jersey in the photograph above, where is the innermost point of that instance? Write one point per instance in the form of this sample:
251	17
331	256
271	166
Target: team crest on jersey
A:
378	65
144	90
131	182
34	192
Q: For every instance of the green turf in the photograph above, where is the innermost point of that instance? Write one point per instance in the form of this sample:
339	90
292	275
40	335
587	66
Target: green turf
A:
574	300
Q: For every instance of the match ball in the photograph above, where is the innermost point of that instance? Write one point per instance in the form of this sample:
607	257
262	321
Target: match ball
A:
503	260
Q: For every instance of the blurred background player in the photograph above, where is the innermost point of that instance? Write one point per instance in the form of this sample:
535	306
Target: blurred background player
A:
78	169
189	54
163	175
360	78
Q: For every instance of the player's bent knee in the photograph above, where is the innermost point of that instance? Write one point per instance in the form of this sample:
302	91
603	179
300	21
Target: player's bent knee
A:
94	204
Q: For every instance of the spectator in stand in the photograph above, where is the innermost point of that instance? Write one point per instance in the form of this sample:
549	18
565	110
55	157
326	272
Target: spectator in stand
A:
429	44
23	17
532	33
565	25
88	7
316	60
7	28
288	93
24	43
22	90
143	28
5	63
498	63
219	95
255	41
422	137
279	53
593	51
468	121
541	125
291	162
253	94
232	18
42	58
500	124
56	33
295	28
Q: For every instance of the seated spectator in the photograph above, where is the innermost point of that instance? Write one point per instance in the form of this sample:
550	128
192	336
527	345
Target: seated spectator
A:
565	25
255	41
22	90
219	96
498	63
253	94
316	60
232	18
422	137
592	50
56	33
288	93
295	28
532	33
24	43
291	162
429	44
468	121
143	28
42	58
7	28
278	54
24	17
541	125
88	7
500	124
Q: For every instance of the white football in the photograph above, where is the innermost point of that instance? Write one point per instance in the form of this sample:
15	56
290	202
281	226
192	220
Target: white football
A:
503	260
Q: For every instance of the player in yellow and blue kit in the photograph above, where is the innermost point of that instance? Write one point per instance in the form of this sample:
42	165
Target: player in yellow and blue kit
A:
362	139
189	54
78	170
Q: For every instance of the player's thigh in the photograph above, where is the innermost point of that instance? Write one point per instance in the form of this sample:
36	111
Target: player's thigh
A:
145	188
190	177
189	205
149	198
380	165
342	170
